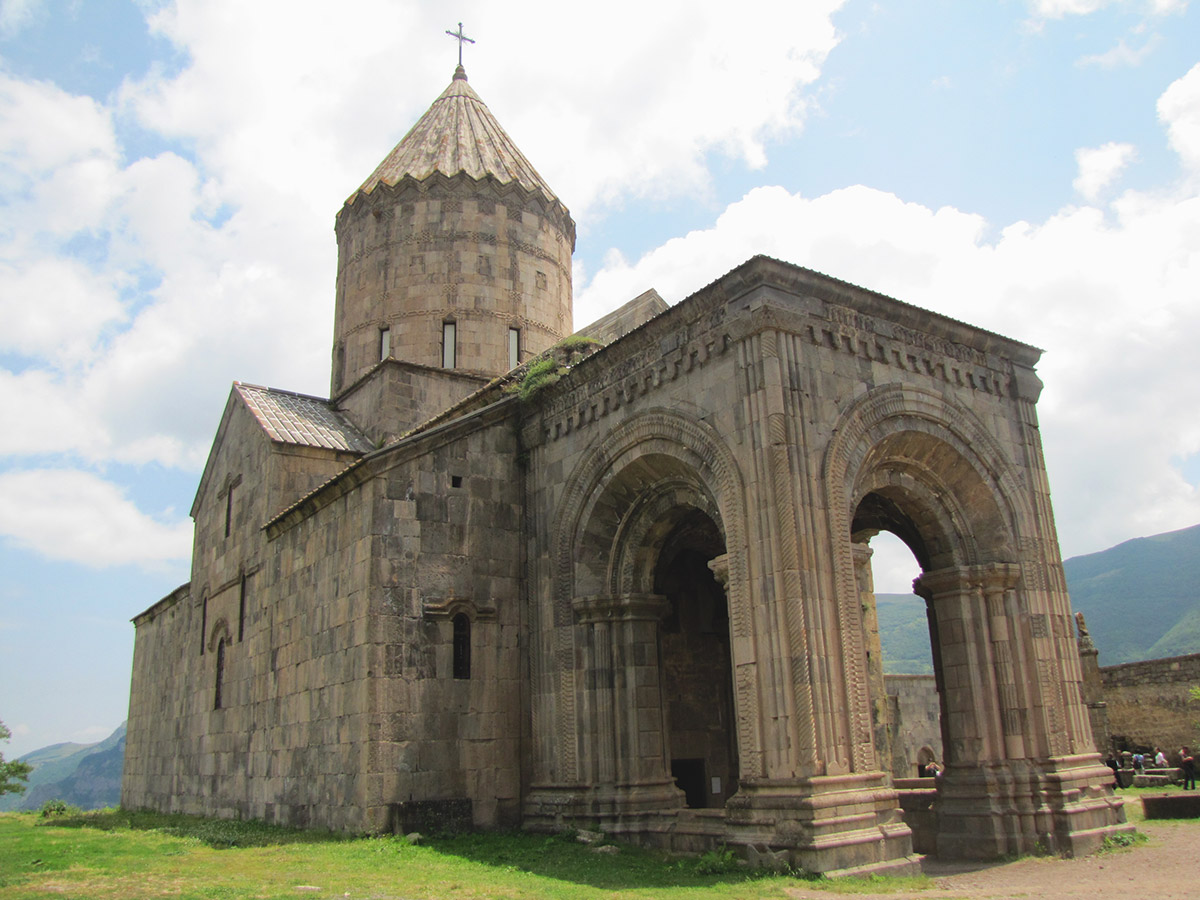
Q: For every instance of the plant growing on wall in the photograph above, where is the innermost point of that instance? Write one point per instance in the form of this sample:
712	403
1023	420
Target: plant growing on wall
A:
553	364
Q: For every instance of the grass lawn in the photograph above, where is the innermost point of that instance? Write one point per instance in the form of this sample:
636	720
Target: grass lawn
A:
114	854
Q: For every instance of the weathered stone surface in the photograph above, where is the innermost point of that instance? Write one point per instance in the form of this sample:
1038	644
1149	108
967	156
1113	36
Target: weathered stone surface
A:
634	601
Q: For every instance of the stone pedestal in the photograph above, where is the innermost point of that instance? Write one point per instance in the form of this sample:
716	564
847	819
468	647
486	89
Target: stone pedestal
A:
826	824
625	785
1062	805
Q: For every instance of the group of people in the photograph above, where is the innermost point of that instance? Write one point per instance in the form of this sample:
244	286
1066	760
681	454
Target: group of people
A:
1139	762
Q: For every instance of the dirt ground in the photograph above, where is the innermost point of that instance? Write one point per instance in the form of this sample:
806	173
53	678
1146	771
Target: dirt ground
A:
1165	868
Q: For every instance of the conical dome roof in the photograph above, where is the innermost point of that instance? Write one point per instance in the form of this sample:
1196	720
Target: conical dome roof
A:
458	133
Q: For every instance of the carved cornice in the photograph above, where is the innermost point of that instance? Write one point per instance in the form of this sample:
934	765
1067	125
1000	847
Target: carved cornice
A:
705	326
461	187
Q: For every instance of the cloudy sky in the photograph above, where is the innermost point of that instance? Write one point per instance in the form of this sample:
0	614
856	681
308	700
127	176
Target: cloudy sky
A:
169	174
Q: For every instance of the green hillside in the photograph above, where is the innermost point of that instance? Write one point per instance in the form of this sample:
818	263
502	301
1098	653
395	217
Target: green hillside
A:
84	775
1141	600
904	634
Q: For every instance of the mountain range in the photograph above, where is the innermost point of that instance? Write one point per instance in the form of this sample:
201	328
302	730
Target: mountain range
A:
1141	600
83	775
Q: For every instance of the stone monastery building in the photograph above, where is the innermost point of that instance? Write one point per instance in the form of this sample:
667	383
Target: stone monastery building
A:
503	577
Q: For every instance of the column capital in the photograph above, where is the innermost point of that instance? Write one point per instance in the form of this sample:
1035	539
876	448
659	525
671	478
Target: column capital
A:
987	578
622	607
719	566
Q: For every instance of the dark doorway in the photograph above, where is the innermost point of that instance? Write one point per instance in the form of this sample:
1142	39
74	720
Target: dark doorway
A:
689	778
697	671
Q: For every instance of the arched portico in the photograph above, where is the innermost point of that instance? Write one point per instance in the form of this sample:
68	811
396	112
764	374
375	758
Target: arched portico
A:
1020	769
644	552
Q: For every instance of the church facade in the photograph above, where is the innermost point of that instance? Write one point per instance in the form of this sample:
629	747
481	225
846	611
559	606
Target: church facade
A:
505	576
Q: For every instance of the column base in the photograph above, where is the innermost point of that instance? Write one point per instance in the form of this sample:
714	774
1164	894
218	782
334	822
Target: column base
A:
620	810
1063	805
831	824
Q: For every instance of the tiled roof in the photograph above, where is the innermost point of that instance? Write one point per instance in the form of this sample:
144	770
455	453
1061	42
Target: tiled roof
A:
458	133
300	419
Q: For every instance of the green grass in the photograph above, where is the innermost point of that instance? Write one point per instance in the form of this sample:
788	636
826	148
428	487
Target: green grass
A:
115	854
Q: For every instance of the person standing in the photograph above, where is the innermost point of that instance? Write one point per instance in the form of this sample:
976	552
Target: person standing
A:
1188	763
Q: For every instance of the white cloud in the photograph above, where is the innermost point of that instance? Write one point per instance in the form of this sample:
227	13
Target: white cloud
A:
1109	293
218	262
1099	167
91	734
73	515
617	101
893	566
286	111
43	128
1179	110
1058	9
54	308
16	14
1122	54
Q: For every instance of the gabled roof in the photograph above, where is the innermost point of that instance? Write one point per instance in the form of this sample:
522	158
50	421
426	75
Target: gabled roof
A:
458	133
300	419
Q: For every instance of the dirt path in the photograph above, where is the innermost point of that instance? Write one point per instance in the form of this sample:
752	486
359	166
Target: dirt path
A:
1166	868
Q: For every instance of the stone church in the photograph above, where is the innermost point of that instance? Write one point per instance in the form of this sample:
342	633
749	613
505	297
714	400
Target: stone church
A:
507	576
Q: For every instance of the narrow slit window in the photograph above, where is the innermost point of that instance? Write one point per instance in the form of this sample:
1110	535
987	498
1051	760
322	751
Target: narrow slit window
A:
462	646
242	610
218	699
229	511
514	347
203	620
449	345
385	343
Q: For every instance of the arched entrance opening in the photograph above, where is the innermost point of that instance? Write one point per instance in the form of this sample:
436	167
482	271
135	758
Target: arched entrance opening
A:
653	668
926	492
696	666
1018	765
897	633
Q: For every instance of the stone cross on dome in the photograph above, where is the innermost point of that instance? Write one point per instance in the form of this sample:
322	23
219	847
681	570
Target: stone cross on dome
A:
461	38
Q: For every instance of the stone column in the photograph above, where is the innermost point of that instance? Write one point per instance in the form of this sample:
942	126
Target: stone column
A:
622	727
880	717
1092	688
1003	791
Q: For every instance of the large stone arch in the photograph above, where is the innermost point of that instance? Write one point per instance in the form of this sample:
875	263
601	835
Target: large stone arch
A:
624	499
916	463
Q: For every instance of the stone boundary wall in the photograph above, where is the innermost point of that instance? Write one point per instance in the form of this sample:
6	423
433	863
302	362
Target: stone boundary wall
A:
1149	704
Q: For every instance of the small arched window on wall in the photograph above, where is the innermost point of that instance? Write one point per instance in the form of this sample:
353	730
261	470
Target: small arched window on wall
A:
462	646
514	347
449	345
218	702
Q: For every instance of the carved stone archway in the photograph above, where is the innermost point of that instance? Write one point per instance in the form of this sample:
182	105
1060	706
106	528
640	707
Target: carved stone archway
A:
1020	769
623	503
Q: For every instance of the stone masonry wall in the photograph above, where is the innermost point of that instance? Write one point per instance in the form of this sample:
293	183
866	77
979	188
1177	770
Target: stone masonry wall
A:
414	256
396	397
1149	704
236	624
446	521
915	722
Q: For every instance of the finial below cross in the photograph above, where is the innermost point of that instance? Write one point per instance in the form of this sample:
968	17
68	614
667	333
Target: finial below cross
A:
461	38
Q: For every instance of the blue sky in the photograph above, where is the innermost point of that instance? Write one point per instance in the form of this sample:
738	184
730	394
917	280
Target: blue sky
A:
169	174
